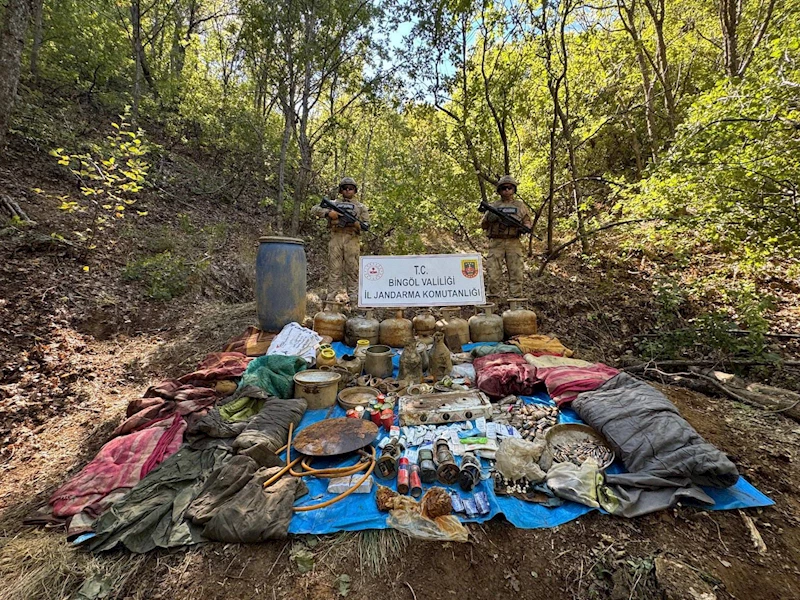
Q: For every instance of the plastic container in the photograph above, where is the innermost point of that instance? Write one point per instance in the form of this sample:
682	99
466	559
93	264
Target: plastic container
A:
518	320
326	357
318	388
280	282
486	327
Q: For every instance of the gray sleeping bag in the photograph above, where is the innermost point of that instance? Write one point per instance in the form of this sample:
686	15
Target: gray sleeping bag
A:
665	457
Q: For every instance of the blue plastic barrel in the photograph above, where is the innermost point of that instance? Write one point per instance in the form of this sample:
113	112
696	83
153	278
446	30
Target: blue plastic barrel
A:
280	282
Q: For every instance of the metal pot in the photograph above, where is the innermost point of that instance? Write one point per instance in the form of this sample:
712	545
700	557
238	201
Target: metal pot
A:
379	361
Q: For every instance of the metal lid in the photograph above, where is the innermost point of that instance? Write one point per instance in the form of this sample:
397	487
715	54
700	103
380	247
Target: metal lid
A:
277	239
317	376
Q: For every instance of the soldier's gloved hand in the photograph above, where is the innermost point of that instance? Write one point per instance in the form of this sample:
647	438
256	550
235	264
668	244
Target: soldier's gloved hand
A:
333	215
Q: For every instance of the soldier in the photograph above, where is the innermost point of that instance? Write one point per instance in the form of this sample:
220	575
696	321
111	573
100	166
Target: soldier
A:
504	243
343	248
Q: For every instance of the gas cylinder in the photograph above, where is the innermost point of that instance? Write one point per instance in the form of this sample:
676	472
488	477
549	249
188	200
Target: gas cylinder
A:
518	320
453	326
362	327
486	327
424	324
330	321
397	331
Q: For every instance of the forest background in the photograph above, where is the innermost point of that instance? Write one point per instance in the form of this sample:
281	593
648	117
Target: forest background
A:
661	134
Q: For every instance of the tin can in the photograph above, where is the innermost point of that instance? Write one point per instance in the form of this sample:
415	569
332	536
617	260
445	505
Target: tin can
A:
375	416
387	418
394	431
402	476
352	414
415	481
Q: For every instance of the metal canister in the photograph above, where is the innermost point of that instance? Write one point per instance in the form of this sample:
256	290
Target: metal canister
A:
470	474
330	321
487	327
387	418
518	320
402	475
396	332
362	327
446	469
427	469
386	467
415	481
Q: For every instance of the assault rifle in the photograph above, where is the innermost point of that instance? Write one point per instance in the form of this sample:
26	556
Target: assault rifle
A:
343	213
505	218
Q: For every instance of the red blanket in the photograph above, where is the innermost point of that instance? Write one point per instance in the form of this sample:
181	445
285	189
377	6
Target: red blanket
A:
502	374
565	383
119	465
216	366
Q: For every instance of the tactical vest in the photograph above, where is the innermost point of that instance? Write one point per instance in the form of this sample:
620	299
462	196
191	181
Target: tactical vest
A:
341	225
498	229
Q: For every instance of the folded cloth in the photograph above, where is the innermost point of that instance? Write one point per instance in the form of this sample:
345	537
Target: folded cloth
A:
248	401
163	401
540	344
273	374
296	340
269	429
565	383
221	485
254	513
485	349
253	342
658	447
151	515
216	366
119	465
548	360
499	375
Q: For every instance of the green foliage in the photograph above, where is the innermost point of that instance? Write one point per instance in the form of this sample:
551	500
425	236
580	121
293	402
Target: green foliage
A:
110	176
164	275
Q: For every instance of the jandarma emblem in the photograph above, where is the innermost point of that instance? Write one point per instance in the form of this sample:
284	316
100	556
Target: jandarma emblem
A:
469	268
373	271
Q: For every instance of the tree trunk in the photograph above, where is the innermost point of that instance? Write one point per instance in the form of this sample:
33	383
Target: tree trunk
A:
14	28
627	14
657	11
38	6
729	20
287	136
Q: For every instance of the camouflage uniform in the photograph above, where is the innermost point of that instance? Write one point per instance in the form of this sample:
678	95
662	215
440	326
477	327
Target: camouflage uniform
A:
343	248
505	245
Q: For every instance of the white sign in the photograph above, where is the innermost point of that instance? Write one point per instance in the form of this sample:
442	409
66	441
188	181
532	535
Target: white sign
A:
424	280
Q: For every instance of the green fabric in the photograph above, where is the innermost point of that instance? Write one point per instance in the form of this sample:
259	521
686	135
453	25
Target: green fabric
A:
241	409
273	373
486	349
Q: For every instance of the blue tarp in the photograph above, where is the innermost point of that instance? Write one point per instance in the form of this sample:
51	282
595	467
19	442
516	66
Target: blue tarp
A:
359	511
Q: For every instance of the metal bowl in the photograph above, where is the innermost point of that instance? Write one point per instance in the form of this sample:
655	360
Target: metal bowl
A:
571	433
357	396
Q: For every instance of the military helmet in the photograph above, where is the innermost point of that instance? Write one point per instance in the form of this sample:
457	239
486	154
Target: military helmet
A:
348	181
506	180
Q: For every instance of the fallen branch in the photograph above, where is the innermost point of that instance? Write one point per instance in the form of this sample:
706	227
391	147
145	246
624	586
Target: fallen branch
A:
13	209
775	400
710	363
755	536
